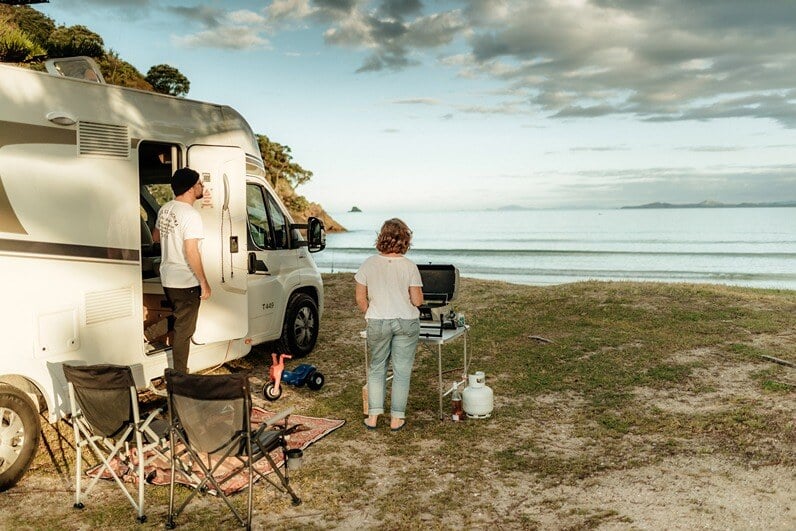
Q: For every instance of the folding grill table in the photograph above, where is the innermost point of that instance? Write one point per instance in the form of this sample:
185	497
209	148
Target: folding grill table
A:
428	341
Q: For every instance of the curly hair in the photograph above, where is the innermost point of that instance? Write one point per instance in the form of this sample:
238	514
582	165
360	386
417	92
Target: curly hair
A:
394	237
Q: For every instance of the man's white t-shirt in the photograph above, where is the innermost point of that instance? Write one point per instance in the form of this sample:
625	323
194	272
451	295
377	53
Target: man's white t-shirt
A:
177	222
388	281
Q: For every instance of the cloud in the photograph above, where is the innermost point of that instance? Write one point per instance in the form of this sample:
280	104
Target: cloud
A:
712	149
661	61
280	10
239	29
600	148
129	9
391	37
239	38
657	61
418	101
205	15
729	184
652	60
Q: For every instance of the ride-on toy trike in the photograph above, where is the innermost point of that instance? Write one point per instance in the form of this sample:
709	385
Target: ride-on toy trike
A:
303	374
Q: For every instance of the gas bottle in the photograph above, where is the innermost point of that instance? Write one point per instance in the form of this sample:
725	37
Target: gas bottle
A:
457	412
477	398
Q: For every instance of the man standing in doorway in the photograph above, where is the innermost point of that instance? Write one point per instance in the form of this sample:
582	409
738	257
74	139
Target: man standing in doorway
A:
180	232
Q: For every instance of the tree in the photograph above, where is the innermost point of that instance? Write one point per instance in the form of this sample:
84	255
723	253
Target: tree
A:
36	25
75	40
16	47
279	163
168	80
119	72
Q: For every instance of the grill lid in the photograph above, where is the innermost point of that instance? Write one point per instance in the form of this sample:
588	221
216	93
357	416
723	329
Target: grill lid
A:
440	283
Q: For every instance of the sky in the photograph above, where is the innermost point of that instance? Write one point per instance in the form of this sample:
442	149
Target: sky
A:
423	105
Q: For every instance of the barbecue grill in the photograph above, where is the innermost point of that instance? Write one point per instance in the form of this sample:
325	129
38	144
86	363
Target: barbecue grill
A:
440	286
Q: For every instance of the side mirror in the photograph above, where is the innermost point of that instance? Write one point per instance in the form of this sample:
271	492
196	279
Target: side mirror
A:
316	235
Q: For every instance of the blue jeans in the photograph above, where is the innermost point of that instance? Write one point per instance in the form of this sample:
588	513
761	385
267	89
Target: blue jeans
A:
394	340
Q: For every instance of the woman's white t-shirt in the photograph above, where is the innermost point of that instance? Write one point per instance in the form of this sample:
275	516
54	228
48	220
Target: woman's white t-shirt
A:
388	280
177	222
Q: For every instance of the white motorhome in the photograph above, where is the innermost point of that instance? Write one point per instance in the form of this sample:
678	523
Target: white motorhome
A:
84	167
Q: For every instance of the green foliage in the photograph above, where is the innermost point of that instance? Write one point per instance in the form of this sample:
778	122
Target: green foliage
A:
36	25
17	47
73	41
121	73
296	203
168	80
279	163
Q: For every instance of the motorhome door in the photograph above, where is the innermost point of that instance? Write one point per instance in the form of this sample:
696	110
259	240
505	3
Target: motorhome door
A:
224	315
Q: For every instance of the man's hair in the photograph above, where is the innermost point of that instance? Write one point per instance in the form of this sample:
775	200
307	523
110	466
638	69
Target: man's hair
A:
183	180
394	237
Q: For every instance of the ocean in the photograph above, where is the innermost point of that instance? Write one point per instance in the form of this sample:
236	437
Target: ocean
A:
753	247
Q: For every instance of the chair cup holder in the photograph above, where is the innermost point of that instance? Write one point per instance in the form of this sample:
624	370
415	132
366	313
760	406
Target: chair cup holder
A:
294	458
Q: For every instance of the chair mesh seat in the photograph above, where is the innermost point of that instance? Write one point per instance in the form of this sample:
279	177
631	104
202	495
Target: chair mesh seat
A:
211	416
105	418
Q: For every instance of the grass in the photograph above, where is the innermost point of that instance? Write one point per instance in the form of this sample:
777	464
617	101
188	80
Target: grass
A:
635	374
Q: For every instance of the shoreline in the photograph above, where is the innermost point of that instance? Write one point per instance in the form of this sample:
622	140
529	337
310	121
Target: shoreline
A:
789	287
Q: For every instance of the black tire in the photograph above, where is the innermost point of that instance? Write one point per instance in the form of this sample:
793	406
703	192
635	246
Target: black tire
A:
270	393
315	381
19	435
300	329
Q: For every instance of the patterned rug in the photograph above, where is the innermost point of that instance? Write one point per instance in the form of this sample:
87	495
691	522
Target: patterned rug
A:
158	471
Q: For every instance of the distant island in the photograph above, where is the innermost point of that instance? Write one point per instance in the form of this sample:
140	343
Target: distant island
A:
355	209
715	204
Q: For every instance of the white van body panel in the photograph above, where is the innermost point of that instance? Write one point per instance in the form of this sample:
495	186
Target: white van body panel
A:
70	239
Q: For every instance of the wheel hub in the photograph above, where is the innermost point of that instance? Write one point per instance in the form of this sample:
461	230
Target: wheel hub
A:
304	326
12	437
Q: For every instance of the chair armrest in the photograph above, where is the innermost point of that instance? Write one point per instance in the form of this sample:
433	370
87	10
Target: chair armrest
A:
279	416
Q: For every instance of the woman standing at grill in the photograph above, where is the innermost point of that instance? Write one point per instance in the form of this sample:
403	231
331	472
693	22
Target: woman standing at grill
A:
388	290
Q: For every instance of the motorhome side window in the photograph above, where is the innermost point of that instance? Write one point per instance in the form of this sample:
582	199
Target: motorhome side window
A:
259	228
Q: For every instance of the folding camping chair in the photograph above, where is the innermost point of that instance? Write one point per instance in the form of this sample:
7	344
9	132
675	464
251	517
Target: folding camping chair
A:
211	416
105	418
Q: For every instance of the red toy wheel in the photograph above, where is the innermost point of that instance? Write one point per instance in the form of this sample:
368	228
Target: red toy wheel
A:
270	392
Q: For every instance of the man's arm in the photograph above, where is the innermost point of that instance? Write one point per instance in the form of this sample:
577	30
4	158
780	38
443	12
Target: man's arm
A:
194	259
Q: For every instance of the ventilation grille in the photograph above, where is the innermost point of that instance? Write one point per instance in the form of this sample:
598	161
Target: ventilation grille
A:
106	305
103	140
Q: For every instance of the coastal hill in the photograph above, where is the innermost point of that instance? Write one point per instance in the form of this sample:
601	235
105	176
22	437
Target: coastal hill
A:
715	204
301	209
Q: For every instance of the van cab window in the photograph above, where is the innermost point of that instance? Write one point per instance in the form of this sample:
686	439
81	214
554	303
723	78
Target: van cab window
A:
268	226
259	228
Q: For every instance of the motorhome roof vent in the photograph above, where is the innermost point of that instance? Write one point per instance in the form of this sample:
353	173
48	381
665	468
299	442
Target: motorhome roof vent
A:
103	140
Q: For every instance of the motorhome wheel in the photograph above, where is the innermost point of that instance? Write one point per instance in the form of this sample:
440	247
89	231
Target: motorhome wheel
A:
19	435
270	392
316	381
300	331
